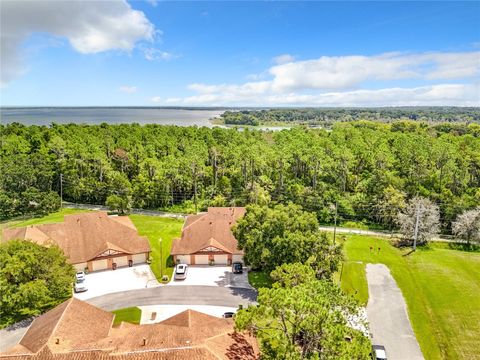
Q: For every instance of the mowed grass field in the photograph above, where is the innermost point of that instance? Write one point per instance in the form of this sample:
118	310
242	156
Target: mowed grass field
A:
153	227
441	287
156	228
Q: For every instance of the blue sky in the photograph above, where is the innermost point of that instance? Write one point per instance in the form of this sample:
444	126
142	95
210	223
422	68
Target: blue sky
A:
157	53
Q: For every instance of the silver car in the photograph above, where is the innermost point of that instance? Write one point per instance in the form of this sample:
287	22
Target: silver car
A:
80	285
181	272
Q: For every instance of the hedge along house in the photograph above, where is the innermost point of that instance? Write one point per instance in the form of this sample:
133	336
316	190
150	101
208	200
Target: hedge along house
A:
93	241
207	238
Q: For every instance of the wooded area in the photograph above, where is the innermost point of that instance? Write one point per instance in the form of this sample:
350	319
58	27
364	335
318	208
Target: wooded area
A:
363	171
326	117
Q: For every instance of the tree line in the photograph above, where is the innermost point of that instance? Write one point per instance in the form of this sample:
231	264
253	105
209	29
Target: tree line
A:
360	171
328	116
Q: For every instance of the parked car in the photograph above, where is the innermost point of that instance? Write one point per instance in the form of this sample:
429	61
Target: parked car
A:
80	285
228	314
378	352
181	272
237	268
80	275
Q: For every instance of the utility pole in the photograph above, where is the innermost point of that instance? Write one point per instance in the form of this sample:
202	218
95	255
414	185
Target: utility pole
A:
417	220
161	258
61	190
335	227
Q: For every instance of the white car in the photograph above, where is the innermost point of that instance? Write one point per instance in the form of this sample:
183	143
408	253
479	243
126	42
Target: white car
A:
80	285
379	352
181	272
80	275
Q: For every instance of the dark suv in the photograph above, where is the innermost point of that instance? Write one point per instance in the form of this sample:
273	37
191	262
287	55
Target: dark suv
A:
237	268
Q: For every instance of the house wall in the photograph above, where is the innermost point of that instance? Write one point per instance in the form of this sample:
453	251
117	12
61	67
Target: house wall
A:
80	266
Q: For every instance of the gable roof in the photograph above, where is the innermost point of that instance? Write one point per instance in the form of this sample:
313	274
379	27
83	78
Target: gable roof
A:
212	228
188	335
70	323
84	236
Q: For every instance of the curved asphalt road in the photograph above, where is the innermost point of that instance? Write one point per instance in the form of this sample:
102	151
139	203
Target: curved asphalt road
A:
161	295
177	295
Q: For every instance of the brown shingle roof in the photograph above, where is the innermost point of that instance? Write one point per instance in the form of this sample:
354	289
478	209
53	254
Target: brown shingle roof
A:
84	236
209	229
69	324
84	335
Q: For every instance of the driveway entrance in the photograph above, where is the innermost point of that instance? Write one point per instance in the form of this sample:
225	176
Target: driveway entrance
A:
213	276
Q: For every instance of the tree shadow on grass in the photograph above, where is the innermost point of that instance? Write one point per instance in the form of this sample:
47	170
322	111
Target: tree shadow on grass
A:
464	247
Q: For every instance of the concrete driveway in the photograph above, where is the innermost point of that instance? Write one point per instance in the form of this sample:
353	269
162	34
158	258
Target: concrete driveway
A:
206	275
163	312
112	281
388	317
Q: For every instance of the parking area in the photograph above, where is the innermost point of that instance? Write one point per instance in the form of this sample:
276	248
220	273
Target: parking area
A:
213	276
156	313
111	281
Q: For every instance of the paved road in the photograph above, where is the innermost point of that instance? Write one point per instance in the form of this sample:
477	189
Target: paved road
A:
343	230
387	315
162	295
133	211
12	335
179	295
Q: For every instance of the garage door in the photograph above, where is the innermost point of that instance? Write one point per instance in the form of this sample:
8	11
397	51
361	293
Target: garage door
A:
221	259
121	261
99	265
237	258
183	259
201	259
80	267
139	258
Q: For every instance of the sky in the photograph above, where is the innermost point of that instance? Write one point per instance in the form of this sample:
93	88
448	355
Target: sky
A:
225	53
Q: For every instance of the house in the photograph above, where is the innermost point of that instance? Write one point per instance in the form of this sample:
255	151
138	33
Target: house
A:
91	240
208	237
77	330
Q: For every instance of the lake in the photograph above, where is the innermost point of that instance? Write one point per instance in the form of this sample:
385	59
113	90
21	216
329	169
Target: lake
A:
113	115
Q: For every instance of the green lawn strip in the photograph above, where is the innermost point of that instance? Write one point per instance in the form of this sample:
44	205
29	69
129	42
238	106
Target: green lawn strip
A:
259	279
131	315
440	287
353	280
47	219
155	228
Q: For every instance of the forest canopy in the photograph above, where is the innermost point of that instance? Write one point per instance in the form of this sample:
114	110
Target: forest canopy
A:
369	169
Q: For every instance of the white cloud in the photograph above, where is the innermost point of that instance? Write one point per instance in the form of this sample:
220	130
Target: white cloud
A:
151	54
343	72
283	59
432	95
337	81
156	99
89	26
154	3
128	89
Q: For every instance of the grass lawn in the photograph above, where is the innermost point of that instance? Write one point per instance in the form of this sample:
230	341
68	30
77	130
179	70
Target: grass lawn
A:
441	286
259	279
50	218
155	228
131	315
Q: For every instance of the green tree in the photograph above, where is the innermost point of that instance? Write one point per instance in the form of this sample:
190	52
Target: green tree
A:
285	234
33	278
119	203
306	321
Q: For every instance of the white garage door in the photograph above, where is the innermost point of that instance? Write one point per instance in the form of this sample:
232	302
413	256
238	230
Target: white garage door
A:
99	265
80	267
139	258
221	259
201	259
237	258
121	261
183	259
